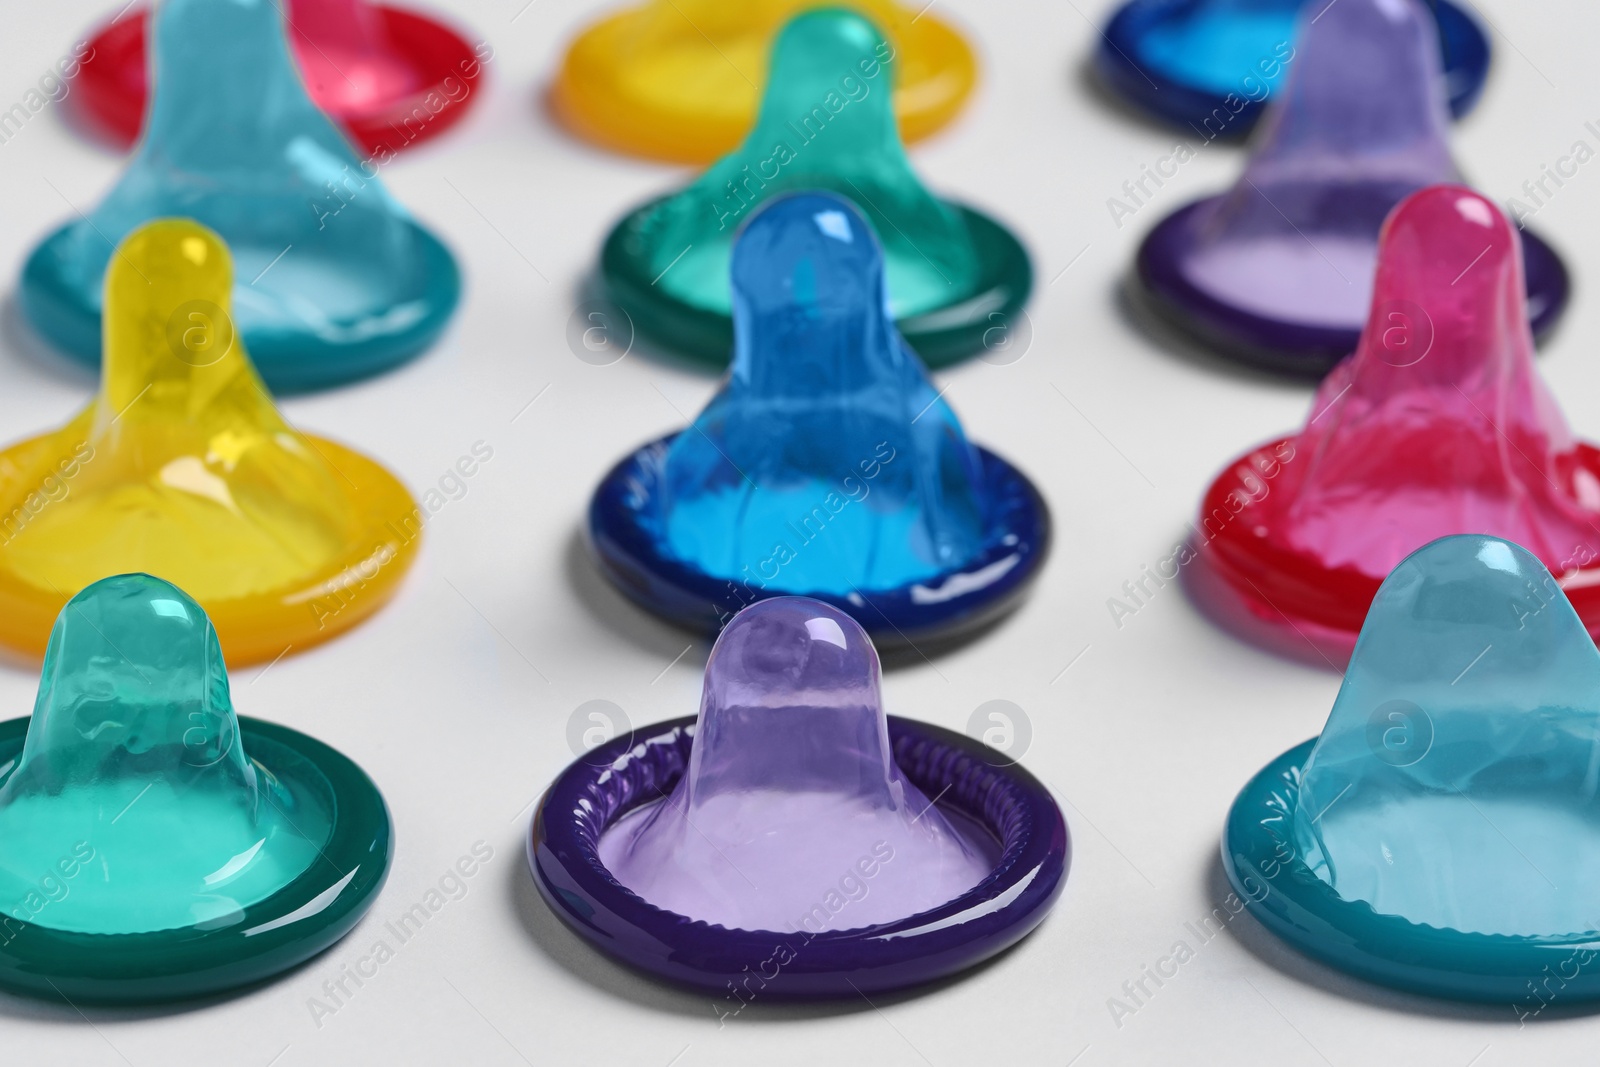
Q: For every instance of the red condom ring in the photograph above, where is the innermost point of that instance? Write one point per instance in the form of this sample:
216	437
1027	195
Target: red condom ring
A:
389	77
1438	424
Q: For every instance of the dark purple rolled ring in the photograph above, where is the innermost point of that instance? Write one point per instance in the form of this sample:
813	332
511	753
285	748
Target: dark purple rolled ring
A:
626	772
986	588
1284	345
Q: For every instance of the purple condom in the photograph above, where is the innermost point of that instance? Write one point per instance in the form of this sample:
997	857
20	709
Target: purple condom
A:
792	815
1279	270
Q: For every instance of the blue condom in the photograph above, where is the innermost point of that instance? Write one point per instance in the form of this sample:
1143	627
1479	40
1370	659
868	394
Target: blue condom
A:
826	466
1210	65
1442	835
334	279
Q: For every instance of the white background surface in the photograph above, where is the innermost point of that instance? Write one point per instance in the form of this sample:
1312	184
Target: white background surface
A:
456	697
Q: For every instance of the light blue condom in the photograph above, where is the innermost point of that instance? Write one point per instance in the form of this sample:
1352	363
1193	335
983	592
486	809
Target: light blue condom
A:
827	463
1443	834
334	279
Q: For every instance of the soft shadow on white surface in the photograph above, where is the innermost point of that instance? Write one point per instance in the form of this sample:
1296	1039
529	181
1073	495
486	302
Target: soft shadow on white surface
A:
620	615
1134	311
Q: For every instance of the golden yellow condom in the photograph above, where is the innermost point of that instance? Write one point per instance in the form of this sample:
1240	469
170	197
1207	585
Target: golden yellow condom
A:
182	468
681	80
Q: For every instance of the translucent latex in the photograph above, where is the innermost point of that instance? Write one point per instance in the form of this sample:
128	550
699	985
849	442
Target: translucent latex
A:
1360	124
389	77
801	143
181	466
134	806
1456	781
678	79
827	462
331	269
1439	423
792	814
1222	42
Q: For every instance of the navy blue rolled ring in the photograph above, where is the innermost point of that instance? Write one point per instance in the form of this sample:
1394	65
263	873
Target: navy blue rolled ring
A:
1463	47
1293	903
947	608
1283	345
631	770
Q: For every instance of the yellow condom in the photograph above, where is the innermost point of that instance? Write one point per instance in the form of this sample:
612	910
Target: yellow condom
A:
182	468
681	80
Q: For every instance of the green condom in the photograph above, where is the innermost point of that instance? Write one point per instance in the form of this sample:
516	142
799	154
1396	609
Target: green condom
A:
153	845
957	279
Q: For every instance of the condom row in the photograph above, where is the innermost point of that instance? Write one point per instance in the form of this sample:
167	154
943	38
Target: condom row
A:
1278	271
1436	835
1210	65
677	79
154	845
390	77
1439	424
181	466
336	280
826	123
826	466
783	845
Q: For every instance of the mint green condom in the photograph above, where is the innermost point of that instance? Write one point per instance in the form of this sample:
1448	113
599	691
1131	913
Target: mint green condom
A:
153	845
957	279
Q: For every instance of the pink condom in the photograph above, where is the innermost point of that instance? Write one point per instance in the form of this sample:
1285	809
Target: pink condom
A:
1439	424
792	814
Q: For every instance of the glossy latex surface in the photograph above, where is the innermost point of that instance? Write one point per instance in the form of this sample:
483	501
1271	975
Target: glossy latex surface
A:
677	79
1439	424
792	800
1441	833
134	735
152	844
1360	126
389	77
1476	805
827	465
335	280
826	124
1211	64
827	436
1284	262
182	467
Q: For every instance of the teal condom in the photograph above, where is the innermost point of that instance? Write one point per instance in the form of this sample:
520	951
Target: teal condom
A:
1442	835
957	279
334	279
153	845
